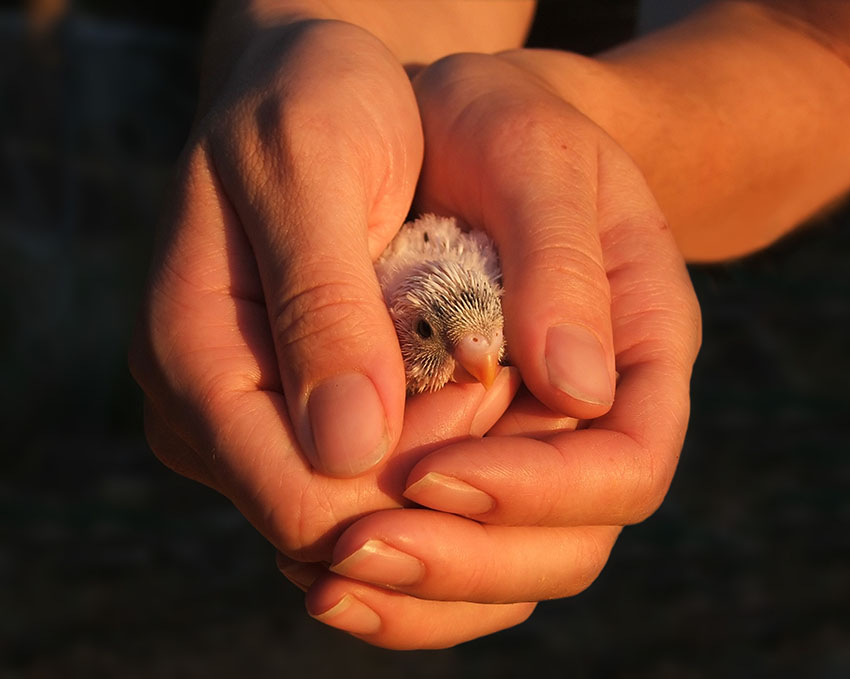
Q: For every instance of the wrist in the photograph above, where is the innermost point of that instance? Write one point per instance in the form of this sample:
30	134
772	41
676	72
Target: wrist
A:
417	33
249	58
589	85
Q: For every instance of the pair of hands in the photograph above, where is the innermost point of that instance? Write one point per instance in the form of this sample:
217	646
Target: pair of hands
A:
272	372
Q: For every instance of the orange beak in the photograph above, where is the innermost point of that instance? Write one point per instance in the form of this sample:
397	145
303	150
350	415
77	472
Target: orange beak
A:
479	357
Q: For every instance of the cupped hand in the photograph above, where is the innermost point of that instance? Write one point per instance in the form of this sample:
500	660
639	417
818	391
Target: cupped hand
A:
593	283
263	324
583	244
264	349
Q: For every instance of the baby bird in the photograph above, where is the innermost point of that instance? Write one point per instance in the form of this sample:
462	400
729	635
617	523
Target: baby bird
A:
442	287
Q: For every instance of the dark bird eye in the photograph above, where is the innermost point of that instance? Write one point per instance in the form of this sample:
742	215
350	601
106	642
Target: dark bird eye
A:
423	328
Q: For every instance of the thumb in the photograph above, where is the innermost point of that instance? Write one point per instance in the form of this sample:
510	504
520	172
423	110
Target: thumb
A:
340	364
528	175
557	296
318	144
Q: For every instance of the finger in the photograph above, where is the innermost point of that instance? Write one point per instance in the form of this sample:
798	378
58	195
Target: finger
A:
397	621
300	574
530	418
594	476
417	552
394	620
528	175
308	203
617	470
303	512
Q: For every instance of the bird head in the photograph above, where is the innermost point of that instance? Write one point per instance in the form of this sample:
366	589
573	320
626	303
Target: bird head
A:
449	324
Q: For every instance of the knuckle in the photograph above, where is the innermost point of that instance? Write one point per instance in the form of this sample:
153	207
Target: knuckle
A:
550	253
478	580
250	151
593	552
171	451
531	124
640	480
496	111
539	128
570	271
450	73
652	484
320	315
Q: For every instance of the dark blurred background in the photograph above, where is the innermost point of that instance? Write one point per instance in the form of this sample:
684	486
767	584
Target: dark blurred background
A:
110	565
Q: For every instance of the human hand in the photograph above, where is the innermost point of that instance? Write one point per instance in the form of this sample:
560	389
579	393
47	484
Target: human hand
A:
264	347
535	507
251	294
299	170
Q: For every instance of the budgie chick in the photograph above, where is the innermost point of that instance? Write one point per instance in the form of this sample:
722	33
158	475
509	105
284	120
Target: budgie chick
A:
442	287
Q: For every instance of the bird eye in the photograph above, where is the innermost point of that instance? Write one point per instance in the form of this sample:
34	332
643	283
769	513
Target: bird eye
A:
423	328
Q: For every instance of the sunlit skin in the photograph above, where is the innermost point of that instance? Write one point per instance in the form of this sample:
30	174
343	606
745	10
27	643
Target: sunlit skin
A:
270	364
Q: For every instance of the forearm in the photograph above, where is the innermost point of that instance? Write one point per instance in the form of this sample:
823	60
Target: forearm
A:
738	117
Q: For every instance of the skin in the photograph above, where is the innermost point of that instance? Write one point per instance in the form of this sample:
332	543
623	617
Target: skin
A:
592	176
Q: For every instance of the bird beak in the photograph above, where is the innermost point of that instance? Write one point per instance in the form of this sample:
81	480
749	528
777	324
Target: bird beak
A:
478	357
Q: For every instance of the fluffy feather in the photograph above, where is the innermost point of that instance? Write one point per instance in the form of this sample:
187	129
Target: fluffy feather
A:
442	287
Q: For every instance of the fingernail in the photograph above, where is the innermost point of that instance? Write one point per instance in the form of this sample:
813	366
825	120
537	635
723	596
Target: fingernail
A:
379	563
349	425
577	364
495	400
448	494
302	575
351	615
